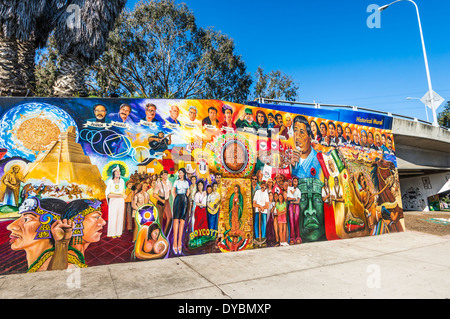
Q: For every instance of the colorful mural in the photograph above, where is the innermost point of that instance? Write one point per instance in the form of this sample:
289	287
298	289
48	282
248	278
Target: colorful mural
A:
87	182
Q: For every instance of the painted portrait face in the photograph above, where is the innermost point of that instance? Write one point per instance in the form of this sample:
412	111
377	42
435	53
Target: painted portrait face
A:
312	224
174	112
93	227
192	114
323	129
355	136
150	113
212	114
377	140
23	231
389	143
260	118
370	138
228	115
254	180
332	130
116	173
155	234
100	112
314	129
124	112
301	138
363	137
279	119
348	132
288	121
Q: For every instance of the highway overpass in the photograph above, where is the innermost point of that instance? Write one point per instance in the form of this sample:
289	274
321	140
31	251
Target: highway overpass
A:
420	148
423	161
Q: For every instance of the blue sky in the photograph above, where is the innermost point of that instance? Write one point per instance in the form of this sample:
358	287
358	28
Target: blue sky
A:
328	49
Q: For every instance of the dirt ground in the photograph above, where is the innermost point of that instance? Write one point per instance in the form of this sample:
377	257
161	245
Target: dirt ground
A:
420	221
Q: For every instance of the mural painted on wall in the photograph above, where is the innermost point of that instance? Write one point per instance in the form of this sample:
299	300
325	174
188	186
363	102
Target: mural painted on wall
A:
86	182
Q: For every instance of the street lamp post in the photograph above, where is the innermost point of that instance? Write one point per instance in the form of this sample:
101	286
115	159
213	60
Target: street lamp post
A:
435	122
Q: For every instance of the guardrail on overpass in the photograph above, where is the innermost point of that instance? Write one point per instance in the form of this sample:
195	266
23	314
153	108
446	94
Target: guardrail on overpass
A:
353	107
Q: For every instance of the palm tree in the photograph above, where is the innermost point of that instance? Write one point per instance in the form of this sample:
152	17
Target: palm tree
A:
82	43
26	25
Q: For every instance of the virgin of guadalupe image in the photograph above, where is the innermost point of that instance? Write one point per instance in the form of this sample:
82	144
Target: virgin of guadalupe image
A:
233	239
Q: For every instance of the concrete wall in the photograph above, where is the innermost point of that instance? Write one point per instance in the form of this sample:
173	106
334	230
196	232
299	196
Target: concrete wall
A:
421	146
416	190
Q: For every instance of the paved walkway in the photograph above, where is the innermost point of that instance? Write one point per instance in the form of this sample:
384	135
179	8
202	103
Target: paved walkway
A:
400	265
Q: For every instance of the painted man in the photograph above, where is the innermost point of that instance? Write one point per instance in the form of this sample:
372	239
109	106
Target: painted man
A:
261	205
304	162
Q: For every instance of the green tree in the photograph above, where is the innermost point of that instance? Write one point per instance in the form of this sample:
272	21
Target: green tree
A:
444	116
275	85
157	50
46	69
80	29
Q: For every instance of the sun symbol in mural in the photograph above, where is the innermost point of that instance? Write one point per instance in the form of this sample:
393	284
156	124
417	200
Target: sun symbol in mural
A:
31	128
37	133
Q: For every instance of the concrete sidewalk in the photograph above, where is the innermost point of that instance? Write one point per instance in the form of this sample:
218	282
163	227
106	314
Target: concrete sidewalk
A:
399	265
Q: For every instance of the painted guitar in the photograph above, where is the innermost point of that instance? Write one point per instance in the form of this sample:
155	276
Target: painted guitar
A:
159	145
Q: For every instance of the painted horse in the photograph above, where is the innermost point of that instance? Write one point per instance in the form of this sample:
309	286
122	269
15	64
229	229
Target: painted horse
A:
383	177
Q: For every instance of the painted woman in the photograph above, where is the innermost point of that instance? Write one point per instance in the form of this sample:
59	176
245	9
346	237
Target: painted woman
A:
200	214
366	198
180	193
316	135
236	205
281	208
234	237
115	194
150	242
